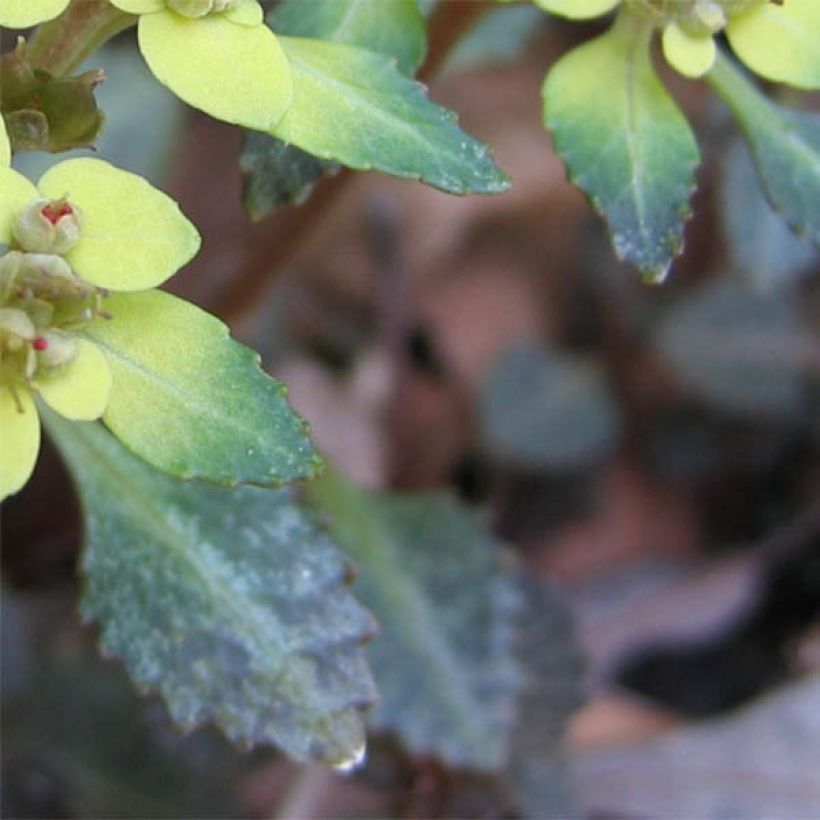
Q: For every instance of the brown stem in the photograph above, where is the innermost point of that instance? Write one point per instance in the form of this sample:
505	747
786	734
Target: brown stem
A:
60	45
280	237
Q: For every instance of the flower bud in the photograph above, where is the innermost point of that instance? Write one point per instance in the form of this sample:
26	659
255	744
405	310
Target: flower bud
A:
15	329
191	8
48	226
710	15
55	348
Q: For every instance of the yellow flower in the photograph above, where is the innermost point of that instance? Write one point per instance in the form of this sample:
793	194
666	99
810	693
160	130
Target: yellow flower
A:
87	227
778	39
25	13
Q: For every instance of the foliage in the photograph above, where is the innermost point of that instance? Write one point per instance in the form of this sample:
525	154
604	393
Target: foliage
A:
223	584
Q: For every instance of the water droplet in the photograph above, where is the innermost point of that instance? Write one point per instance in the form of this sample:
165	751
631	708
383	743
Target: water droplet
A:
352	763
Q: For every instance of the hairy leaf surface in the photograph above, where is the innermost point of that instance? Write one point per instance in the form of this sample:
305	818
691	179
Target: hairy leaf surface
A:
228	601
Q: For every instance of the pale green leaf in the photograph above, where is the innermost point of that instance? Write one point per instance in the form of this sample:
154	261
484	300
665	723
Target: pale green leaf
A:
19	439
25	13
133	236
80	389
354	107
228	602
192	401
625	143
785	145
233	72
446	601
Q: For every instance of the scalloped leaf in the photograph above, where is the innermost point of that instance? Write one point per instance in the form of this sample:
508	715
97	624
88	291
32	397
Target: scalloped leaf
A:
447	602
625	143
230	603
354	107
193	402
785	145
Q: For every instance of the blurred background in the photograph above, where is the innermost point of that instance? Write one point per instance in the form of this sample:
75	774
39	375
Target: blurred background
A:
652	452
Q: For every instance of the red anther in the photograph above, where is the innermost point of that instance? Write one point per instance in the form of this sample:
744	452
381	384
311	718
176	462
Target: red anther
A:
40	344
54	212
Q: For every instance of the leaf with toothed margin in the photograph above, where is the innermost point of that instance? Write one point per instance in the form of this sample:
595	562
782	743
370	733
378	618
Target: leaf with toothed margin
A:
193	402
275	173
625	143
446	599
354	107
785	145
229	602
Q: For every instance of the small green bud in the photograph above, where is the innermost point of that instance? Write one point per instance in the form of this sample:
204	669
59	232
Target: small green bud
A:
710	15
199	8
55	348
48	226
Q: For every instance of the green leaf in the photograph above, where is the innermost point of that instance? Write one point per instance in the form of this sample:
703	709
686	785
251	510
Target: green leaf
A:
275	173
547	409
229	602
395	29
625	143
759	244
193	402
743	352
354	107
446	600
785	146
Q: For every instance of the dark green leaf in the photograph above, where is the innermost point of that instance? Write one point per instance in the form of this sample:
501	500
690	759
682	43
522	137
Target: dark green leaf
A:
229	602
78	742
354	107
625	142
193	402
785	145
742	351
761	247
547	409
275	173
446	600
554	669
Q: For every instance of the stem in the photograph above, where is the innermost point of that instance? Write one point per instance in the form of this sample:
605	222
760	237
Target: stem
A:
282	236
60	45
732	85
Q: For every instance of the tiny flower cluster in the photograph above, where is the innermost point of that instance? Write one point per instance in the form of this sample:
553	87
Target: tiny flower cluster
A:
777	39
79	233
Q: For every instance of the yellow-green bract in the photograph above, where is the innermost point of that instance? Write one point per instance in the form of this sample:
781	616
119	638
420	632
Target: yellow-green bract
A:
133	237
777	41
227	63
